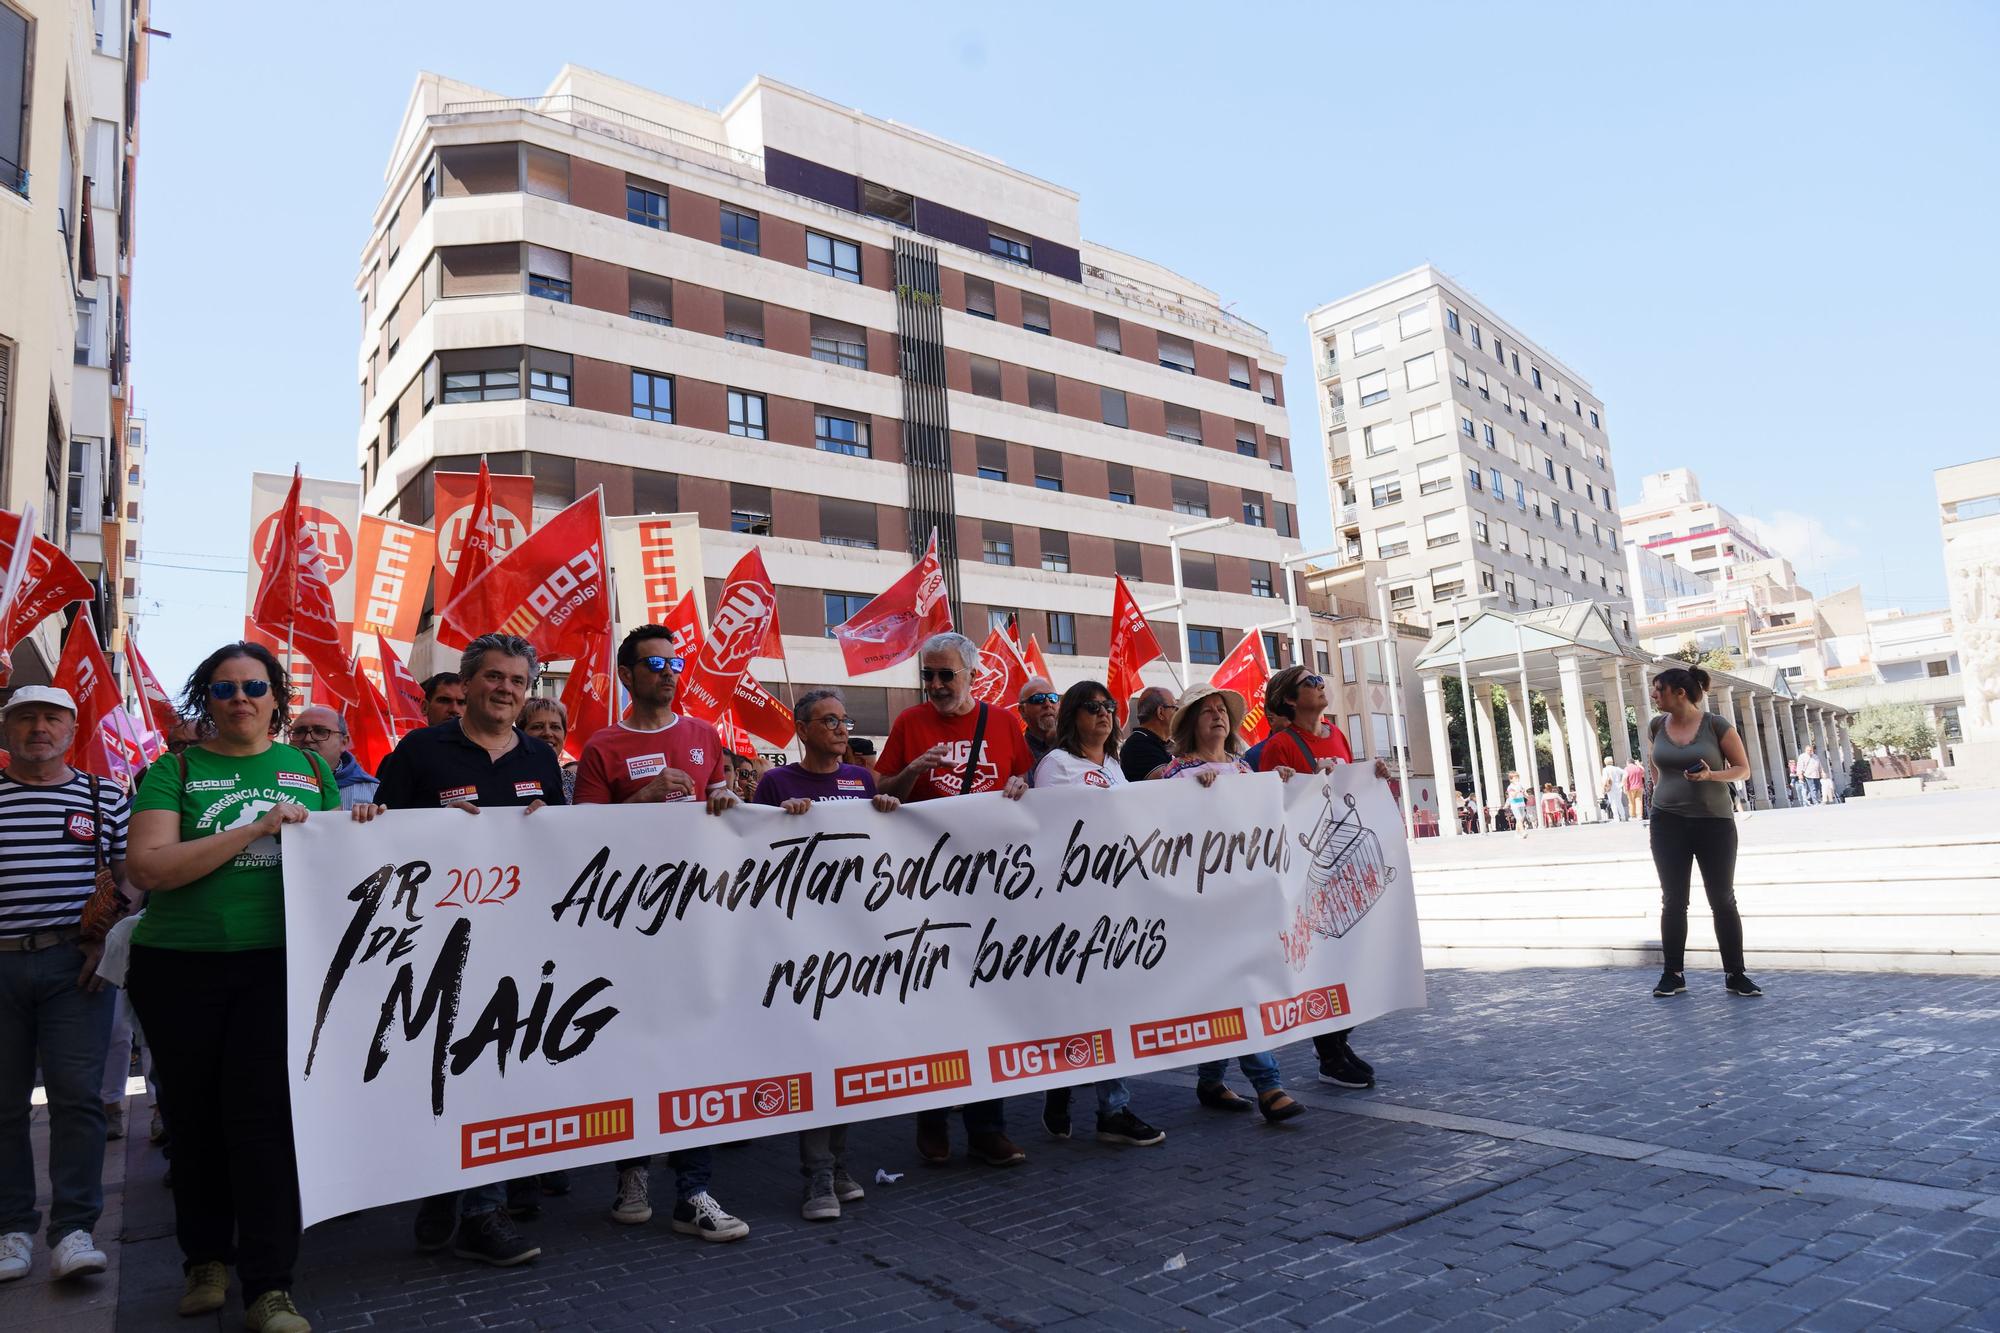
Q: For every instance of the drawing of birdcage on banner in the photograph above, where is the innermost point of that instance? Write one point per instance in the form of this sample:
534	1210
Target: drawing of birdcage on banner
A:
1348	871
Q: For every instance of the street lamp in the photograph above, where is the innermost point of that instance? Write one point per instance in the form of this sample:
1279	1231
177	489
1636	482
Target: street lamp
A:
1179	605
1465	703
1399	735
1286	566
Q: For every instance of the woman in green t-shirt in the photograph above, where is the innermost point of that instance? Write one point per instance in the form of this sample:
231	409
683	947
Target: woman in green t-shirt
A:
207	977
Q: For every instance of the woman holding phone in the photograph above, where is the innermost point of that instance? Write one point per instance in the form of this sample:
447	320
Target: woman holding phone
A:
1696	755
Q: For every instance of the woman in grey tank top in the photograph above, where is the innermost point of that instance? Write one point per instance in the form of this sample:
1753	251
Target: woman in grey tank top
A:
1696	755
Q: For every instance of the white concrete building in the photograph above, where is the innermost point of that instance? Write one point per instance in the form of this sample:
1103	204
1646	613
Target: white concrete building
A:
70	72
1969	519
825	333
1463	455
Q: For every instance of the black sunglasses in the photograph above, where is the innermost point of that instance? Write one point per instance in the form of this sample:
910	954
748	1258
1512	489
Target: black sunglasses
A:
1101	707
655	663
1044	698
219	690
943	675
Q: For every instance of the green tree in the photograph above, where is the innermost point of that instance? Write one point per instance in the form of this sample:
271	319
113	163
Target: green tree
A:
1900	730
1708	659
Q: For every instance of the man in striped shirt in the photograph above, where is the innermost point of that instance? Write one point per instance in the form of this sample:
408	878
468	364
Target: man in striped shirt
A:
53	1008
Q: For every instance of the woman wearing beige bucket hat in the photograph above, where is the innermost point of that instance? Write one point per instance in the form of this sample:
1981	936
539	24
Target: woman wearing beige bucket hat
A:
1208	744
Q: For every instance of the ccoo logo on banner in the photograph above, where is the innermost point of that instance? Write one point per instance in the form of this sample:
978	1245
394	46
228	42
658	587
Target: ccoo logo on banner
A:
517	992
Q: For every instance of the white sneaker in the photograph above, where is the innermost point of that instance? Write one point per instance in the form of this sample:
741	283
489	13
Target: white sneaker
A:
76	1255
634	1204
700	1215
17	1255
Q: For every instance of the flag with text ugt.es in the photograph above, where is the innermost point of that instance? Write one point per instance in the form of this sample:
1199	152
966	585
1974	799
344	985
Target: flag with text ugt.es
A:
1132	646
550	590
41	581
84	672
1244	671
895	622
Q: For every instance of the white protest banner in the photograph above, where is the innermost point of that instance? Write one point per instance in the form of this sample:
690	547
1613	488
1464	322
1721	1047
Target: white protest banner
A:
474	998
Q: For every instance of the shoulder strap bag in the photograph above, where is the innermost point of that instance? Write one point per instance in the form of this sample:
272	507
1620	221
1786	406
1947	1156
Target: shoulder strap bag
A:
972	756
106	903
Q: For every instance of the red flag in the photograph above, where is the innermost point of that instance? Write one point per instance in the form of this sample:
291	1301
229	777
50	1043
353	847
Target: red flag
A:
587	695
759	713
1037	664
159	704
890	628
118	750
744	615
295	598
551	589
734	736
477	555
49	581
684	623
1002	673
1244	671
84	672
371	730
1132	646
401	694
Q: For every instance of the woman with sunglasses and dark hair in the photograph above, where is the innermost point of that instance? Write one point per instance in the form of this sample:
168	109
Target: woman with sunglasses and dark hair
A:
1309	741
1085	754
1696	755
207	977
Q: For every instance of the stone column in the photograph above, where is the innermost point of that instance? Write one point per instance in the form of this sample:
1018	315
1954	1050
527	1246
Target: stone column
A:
1774	752
1489	747
1520	722
1582	734
1434	718
1645	722
1788	749
1558	746
1753	746
1621	730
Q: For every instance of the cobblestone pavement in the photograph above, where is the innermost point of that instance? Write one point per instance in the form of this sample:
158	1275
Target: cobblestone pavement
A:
1546	1149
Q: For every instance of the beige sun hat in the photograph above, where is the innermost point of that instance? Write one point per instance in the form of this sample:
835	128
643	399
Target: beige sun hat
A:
1190	703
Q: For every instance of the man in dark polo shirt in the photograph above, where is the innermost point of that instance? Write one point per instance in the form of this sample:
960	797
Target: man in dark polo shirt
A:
471	762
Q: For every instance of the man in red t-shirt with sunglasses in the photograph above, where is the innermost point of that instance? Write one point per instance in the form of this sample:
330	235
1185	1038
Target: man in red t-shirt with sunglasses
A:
1295	701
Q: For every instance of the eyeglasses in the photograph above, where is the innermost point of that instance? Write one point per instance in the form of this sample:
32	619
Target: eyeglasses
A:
942	675
1101	707
219	690
835	723
1043	698
656	664
313	733
1316	682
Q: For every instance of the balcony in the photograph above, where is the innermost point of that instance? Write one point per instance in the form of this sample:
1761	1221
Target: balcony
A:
1342	466
1329	370
1350	515
1336	414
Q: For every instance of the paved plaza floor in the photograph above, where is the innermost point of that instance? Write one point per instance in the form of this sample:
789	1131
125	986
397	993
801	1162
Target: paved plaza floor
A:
1546	1149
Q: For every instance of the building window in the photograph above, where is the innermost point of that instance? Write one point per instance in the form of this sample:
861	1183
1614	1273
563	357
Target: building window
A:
1246	440
992	460
1520	496
1499	483
1239	372
842	607
893	206
985	376
548	376
1472	482
841	435
1190	497
997	544
1127	560
1267	387
833	257
482	375
1480	532
1013	249
839	344
750	509
743	320
1260	579
746	414
740	231
1403	598
1048	470
1373	387
649	299
652	396
979	297
1367	338
1450	588
1121	489
1412	320
1391	541
1108	338
1177	354
1593	422
1041	391
1451	319
1183	424
1465	427
548	274
646	207
1035	313
1062	633
1486	433
1112	402
1055	551
1253	512
1535	374
1204	645
1421	371
1385	490
847	523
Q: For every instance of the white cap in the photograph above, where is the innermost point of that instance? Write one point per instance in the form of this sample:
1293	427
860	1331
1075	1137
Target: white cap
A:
38	694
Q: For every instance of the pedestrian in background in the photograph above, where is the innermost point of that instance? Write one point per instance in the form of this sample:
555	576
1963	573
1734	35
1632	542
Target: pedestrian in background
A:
324	732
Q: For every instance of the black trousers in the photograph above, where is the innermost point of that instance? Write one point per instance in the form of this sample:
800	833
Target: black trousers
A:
1679	843
216	1022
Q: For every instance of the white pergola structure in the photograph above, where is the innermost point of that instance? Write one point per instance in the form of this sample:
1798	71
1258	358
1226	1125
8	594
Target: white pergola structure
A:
1574	657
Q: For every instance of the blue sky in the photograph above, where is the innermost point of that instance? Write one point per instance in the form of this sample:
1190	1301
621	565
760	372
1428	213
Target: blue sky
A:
1763	233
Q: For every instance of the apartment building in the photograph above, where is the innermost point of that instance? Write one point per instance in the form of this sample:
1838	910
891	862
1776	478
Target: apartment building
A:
1462	455
70	72
828	334
1672	519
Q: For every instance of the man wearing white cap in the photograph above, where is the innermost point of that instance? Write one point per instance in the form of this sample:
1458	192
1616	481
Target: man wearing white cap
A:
54	825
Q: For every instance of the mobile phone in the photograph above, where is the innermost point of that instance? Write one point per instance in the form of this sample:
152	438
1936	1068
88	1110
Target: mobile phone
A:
1693	770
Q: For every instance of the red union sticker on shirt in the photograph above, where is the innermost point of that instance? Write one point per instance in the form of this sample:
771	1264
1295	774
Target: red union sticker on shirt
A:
82	827
527	789
849	784
647	765
1321	1002
304	780
450	794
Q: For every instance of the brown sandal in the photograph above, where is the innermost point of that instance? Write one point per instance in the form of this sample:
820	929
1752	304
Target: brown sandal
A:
1277	1104
1219	1098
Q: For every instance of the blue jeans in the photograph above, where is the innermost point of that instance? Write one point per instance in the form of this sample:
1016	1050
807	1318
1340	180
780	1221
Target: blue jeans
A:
691	1169
43	1013
1261	1069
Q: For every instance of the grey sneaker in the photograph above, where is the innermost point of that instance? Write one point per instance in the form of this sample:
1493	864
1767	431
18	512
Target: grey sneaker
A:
845	1187
820	1204
634	1204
